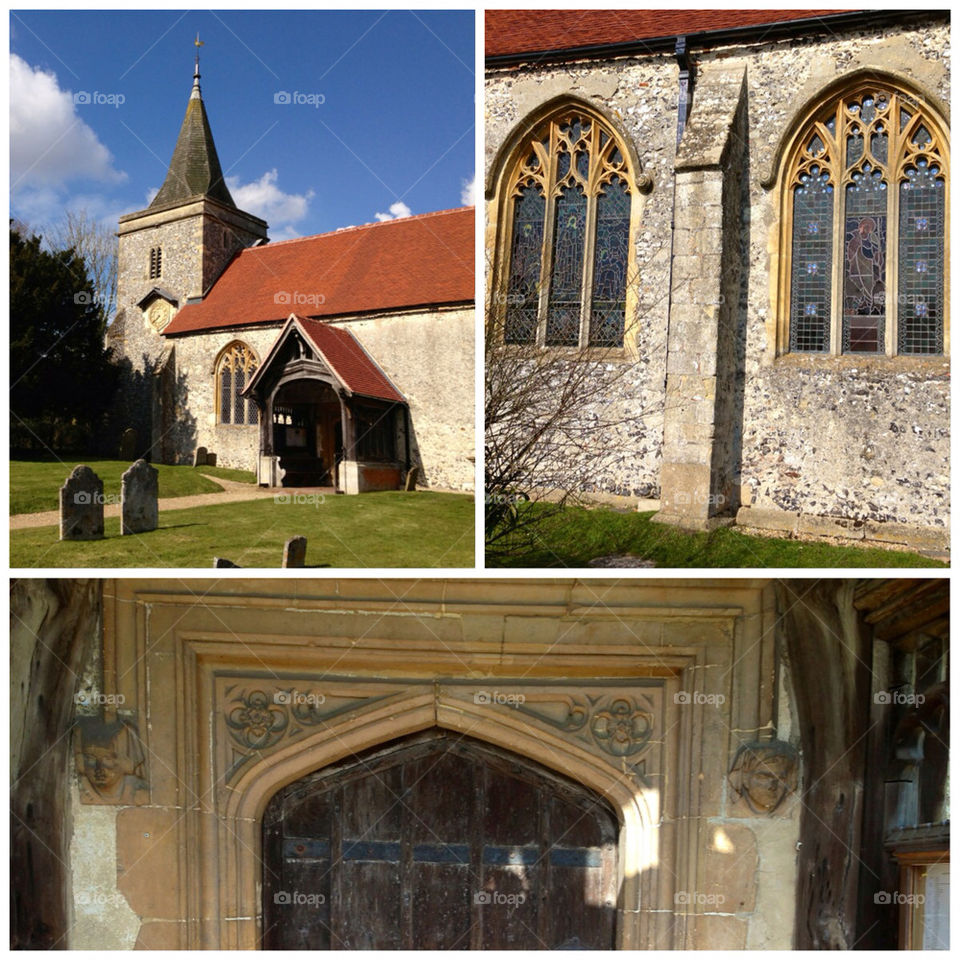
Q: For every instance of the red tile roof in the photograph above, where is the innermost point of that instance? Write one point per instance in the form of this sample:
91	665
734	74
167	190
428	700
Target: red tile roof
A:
528	31
425	260
354	367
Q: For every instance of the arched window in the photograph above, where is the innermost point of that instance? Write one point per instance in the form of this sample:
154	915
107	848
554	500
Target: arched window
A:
865	224
235	366
565	235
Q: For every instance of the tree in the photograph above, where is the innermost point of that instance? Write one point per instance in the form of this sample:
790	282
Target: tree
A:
97	245
61	378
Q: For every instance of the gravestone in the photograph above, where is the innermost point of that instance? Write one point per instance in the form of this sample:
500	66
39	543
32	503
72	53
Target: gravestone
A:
223	562
413	475
295	552
211	459
200	457
128	444
139	512
81	506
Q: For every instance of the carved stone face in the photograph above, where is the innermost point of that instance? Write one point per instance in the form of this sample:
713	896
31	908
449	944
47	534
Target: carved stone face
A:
763	774
104	768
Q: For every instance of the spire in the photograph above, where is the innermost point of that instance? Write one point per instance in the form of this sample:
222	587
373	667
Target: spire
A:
195	168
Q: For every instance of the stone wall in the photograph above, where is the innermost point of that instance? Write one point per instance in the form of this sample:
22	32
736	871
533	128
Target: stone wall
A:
866	439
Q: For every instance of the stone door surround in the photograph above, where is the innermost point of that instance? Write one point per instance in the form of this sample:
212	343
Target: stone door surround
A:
644	692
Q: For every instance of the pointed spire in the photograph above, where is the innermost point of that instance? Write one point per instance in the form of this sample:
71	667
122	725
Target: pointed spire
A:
195	167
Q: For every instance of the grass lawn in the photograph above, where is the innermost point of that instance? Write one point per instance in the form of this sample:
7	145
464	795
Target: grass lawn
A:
35	484
393	529
576	535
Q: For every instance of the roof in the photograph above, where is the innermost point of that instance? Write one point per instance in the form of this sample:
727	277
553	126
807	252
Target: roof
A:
343	354
195	167
535	31
425	260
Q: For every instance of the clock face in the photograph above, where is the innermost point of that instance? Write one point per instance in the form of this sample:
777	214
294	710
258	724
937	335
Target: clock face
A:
158	314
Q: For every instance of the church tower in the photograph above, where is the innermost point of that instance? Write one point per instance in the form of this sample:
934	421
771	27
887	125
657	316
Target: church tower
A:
169	254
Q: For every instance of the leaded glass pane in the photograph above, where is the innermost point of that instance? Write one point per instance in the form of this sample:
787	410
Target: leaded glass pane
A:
583	164
922	137
251	412
815	147
869	110
878	146
608	305
239	378
921	262
226	400
812	260
864	263
854	148
523	286
563	311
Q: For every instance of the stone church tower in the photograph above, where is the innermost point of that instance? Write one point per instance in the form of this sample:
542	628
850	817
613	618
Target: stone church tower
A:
170	254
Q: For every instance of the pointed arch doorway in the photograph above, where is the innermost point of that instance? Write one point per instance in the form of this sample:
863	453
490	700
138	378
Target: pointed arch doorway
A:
439	841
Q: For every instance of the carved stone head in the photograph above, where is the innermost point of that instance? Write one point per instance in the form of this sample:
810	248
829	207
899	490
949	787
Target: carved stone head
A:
763	773
110	761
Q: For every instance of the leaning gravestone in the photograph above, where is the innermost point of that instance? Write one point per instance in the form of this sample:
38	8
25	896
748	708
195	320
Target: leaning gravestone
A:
295	552
81	506
200	457
128	444
139	512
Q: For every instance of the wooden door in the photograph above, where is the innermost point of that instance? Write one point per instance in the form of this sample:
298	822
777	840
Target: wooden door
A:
438	842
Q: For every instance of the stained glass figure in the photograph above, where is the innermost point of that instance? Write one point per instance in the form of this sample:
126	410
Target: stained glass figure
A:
566	281
608	305
864	269
523	285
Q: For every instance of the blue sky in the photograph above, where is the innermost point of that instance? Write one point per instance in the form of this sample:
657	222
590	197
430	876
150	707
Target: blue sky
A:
384	126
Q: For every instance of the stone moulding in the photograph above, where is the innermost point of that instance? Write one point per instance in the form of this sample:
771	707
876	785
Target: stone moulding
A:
252	688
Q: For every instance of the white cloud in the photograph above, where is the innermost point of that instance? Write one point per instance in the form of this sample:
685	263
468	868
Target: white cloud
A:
266	200
151	193
398	210
50	144
468	195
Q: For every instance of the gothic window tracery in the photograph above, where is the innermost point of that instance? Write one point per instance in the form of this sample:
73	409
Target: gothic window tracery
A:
235	367
570	193
866	209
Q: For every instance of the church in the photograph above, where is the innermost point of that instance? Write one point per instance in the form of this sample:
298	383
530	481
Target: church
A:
340	360
742	219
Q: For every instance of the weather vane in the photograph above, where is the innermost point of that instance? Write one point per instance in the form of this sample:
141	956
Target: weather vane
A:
198	43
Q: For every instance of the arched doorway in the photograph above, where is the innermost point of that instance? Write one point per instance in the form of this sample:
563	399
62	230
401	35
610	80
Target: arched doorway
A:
438	841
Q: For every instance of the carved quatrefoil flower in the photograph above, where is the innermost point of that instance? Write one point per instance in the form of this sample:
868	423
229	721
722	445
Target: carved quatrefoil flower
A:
622	729
257	723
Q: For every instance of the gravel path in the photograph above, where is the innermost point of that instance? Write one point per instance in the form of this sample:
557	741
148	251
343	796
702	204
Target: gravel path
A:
233	492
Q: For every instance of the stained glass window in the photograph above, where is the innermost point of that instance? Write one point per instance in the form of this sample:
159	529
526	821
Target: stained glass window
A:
920	305
571	200
523	286
864	262
235	367
566	281
867	205
608	306
812	262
